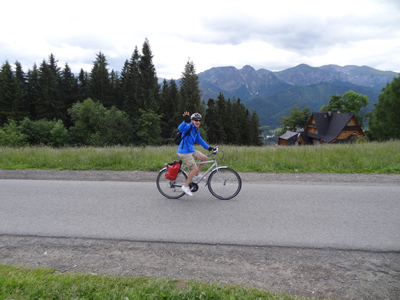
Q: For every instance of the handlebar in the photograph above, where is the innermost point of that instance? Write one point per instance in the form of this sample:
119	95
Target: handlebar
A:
214	152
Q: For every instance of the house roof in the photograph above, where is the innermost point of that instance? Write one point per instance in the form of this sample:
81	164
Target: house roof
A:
288	135
329	127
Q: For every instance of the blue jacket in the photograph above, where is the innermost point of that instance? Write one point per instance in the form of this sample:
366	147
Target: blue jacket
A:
186	145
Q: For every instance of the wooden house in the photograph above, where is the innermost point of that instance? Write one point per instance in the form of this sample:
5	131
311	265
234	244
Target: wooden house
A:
288	139
333	128
294	138
325	128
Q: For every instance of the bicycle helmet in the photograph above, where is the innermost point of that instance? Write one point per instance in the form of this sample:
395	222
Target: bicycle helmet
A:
196	116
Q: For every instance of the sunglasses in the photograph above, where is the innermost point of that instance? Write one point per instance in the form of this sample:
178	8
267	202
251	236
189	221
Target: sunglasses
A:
197	120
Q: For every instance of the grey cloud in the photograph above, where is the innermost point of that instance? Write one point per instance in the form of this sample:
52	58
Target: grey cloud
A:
26	59
84	41
300	34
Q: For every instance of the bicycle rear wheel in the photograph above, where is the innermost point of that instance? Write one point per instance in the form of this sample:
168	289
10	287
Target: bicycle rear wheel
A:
168	188
224	183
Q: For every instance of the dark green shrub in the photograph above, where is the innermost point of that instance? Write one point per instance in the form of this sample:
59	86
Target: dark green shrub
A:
59	135
38	132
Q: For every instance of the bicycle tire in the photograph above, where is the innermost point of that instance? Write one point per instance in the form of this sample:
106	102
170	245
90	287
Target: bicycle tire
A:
168	188
224	183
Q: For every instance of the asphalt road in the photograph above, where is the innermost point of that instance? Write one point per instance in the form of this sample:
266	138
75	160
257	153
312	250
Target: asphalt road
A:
298	214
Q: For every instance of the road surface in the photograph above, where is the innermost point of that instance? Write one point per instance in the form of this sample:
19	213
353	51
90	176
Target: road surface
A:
314	215
318	235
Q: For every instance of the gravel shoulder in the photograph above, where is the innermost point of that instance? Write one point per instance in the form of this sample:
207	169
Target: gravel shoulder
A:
386	179
319	273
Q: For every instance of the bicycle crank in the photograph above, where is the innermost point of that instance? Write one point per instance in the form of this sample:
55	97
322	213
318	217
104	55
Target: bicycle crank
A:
193	187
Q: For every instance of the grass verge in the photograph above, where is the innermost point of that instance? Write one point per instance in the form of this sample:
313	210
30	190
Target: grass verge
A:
364	158
23	283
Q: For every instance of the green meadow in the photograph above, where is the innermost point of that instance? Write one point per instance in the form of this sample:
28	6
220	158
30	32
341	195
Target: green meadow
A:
367	158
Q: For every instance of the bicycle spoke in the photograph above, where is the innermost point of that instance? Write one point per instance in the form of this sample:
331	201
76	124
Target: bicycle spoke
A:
171	189
224	183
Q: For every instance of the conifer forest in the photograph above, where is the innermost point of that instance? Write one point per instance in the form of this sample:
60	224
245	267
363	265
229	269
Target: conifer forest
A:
50	105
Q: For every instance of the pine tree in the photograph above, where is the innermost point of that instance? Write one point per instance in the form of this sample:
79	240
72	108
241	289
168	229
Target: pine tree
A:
8	86
123	88
173	110
190	92
20	75
221	116
130	86
32	87
165	107
69	90
148	90
69	86
115	90
211	120
49	103
241	114
53	65
169	105
99	83
133	86
254	130
13	103
21	100
83	85
229	122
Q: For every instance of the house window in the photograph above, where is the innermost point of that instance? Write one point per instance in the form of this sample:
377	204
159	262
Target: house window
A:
344	133
350	123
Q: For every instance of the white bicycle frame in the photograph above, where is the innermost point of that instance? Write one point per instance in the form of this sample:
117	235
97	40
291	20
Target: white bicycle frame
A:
212	168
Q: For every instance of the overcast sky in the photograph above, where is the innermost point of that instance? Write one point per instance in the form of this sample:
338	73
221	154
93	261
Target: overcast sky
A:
273	35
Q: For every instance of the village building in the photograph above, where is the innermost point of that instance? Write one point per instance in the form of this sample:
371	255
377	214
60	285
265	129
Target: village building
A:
323	128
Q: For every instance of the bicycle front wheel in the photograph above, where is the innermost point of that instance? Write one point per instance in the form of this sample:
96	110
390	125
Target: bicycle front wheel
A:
224	183
168	188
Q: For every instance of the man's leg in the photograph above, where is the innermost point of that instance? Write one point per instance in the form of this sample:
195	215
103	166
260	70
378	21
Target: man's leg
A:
188	159
191	174
200	156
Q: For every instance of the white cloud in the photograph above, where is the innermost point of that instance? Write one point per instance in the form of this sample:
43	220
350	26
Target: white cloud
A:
264	34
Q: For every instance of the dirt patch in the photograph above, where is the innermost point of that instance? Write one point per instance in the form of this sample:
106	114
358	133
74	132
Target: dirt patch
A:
319	273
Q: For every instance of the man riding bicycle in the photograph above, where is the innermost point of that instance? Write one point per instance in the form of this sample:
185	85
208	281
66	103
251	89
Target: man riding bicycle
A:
190	135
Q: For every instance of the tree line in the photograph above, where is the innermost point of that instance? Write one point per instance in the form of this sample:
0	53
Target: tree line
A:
49	105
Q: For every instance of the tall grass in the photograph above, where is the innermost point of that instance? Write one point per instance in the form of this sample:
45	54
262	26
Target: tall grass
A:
22	283
349	158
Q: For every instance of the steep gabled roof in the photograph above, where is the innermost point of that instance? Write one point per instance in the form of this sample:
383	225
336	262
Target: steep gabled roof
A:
329	127
290	136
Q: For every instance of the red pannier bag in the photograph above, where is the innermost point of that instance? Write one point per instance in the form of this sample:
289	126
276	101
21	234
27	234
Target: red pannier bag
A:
173	169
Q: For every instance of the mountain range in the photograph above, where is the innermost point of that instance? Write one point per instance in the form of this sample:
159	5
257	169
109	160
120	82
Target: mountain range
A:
271	94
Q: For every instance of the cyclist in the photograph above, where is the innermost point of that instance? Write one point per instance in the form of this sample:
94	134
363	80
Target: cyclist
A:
186	151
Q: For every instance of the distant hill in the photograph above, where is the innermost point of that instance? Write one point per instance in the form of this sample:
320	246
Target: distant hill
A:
272	94
271	109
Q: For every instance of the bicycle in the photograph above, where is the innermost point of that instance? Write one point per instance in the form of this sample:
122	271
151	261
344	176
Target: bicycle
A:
223	183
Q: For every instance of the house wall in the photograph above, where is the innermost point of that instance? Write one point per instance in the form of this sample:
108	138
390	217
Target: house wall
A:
282	142
317	142
300	141
344	134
